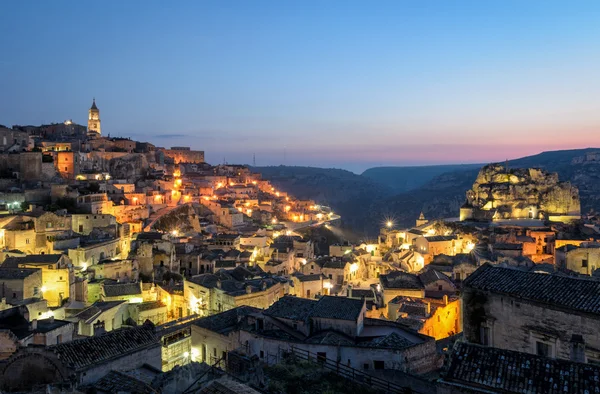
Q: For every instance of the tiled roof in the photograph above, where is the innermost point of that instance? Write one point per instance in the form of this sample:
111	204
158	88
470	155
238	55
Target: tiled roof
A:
13	262
146	306
205	280
507	371
431	276
391	340
330	338
574	293
119	382
440	238
16	273
309	278
225	321
293	308
96	309
340	308
227	386
401	280
83	353
367	293
122	289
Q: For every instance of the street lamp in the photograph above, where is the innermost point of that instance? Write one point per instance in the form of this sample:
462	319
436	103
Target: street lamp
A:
389	224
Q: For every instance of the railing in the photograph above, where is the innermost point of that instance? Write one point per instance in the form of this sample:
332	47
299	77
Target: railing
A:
349	372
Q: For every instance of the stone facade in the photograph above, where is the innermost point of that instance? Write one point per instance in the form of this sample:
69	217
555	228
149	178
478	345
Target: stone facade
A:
514	321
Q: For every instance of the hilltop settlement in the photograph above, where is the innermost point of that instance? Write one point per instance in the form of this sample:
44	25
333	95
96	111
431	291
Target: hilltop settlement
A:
128	267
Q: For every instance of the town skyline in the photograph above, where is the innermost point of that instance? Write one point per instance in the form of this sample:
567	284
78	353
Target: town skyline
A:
443	85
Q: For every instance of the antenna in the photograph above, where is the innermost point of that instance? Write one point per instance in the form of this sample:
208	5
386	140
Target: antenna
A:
254	160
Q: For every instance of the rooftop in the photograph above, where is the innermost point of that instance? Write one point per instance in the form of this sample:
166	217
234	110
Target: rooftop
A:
42	259
225	322
84	353
401	280
503	371
339	308
16	273
578	294
90	314
122	289
293	308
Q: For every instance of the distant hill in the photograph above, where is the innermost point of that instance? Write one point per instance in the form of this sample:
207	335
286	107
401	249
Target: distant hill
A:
365	203
347	193
402	179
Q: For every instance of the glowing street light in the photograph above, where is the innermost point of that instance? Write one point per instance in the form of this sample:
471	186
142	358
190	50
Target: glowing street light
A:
174	233
389	224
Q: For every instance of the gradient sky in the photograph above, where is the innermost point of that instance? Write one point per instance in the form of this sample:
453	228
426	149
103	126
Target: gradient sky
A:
330	83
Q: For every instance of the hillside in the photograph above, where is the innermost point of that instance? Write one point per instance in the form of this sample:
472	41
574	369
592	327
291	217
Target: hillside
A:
365	204
349	194
402	179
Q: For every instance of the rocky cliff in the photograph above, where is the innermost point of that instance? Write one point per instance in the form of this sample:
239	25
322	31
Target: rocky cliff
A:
520	193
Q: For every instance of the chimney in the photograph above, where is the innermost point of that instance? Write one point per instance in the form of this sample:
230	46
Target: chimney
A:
445	299
428	308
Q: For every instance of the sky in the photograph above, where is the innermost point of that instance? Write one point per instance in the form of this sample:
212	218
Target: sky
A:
345	84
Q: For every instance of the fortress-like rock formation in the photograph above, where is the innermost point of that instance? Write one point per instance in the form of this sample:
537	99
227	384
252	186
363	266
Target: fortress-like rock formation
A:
520	193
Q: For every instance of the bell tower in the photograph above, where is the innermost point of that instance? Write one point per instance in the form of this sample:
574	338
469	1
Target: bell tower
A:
94	119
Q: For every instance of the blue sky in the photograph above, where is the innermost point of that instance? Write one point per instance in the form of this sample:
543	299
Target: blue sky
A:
332	83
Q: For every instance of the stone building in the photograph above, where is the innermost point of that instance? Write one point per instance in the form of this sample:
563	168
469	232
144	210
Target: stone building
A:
94	121
184	155
221	291
549	315
583	259
438	318
18	284
67	164
333	328
398	283
82	361
85	223
57	275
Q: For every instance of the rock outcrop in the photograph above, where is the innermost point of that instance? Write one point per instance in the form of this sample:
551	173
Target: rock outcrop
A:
519	193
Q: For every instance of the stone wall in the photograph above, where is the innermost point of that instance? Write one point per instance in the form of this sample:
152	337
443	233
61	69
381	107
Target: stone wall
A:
517	324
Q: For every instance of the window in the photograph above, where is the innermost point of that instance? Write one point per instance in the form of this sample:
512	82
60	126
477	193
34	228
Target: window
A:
27	241
485	333
440	287
81	228
66	168
307	293
378	364
584	263
49	225
321	356
262	354
366	366
542	349
458	276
